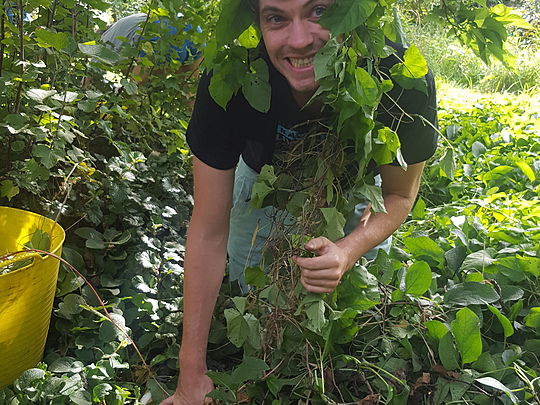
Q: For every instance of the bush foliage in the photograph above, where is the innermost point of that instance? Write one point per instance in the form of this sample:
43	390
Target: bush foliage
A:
452	315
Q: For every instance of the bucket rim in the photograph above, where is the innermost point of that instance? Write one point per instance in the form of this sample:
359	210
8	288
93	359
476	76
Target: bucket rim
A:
54	224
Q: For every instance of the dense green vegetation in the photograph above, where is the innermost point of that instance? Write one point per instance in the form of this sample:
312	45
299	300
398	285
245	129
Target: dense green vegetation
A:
452	315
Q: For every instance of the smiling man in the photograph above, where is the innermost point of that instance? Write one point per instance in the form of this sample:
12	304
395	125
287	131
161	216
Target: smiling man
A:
230	147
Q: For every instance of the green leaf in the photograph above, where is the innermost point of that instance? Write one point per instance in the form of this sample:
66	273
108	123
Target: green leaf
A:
478	149
256	277
505	323
323	63
335	221
458	389
466	330
485	363
40	240
436	329
520	264
419	210
447	164
249	38
415	66
346	15
424	248
65	365
221	379
382	267
455	257
315	316
237	327
81	397
130	86
251	368
100	52
508	15
46	38
47	155
256	88
8	189
275	384
358	289
95	244
225	397
533	319
254	334
373	194
67	97
240	303
366	91
263	186
39	95
234	19
101	391
418	278
511	293
400	74
220	90
71	305
471	293
477	261
515	310
493	383
385	146
109	332
27	378
448	353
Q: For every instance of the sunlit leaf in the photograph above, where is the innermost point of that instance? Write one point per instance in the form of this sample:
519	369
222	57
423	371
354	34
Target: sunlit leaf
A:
505	323
417	278
466	330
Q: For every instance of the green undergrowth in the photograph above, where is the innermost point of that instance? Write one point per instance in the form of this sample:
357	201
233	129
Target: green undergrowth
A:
451	316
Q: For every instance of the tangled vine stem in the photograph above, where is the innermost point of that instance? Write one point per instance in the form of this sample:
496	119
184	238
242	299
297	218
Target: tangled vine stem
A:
33	252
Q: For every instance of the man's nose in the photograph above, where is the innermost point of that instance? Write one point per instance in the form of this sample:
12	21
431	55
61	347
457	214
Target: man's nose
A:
300	35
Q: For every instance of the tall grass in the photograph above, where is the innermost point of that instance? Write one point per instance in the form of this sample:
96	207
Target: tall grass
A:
451	61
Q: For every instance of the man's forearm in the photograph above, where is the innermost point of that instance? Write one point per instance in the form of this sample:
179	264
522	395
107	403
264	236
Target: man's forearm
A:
377	228
204	268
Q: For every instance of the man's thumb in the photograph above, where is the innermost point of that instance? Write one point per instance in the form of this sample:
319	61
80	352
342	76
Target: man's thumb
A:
316	244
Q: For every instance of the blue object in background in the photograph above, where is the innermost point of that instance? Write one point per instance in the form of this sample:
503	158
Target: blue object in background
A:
127	27
188	48
11	16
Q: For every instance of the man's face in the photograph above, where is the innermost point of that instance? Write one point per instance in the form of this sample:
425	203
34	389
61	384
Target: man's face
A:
293	36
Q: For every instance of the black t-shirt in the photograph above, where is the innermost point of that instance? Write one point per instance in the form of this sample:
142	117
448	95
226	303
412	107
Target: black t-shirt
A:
218	137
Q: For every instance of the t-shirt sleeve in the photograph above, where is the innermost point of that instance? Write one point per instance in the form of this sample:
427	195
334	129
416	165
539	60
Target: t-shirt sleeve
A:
211	133
412	114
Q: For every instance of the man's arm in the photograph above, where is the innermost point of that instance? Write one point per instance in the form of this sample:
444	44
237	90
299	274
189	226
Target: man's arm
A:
204	266
322	274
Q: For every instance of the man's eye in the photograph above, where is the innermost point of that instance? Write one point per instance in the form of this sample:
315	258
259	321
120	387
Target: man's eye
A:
319	11
274	19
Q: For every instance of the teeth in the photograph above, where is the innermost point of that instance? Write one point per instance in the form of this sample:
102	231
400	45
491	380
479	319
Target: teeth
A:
300	63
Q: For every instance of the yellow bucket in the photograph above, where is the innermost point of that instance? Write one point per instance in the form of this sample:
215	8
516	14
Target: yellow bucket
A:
26	294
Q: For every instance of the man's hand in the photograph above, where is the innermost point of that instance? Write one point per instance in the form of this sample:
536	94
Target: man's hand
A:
192	392
321	274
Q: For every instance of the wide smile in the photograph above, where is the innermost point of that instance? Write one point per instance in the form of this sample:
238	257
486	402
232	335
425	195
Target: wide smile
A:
301	64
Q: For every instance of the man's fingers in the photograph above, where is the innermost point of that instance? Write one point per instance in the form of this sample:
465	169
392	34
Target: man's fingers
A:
328	274
317	289
317	263
321	283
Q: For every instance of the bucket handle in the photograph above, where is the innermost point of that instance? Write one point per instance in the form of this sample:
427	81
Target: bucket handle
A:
19	258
